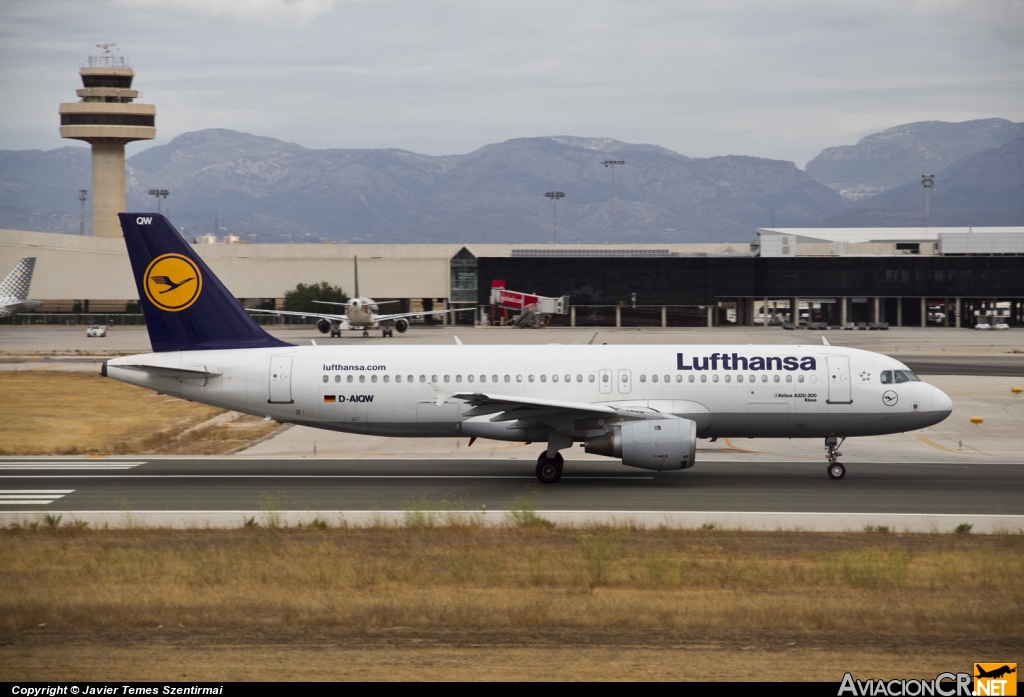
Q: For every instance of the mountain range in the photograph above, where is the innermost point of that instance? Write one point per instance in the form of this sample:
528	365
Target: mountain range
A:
268	190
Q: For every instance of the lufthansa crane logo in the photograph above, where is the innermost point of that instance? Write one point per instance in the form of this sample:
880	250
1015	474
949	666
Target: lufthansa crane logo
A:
172	282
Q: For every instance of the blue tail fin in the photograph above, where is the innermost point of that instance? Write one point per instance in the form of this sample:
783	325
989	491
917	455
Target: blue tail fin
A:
187	308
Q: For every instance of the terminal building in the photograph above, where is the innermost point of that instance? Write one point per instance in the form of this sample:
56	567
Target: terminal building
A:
953	277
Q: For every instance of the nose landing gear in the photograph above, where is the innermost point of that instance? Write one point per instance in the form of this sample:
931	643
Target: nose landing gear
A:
835	469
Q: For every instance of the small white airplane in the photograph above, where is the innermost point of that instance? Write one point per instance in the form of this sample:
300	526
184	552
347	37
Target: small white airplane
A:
361	313
647	405
14	289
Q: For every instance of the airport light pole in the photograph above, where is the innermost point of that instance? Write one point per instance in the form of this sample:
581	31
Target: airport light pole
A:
159	193
927	181
554	196
611	164
82	193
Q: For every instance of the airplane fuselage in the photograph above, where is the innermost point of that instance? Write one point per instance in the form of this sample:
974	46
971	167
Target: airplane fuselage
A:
728	391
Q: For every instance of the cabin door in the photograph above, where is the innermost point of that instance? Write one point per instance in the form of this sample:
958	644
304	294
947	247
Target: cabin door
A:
280	380
839	391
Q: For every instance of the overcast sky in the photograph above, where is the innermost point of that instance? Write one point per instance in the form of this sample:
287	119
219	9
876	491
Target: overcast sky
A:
780	79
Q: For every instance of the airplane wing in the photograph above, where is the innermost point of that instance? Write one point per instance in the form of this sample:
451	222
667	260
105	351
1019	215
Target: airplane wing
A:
333	318
526	411
389	318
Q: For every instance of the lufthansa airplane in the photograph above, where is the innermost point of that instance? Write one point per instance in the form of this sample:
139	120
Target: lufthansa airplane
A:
646	405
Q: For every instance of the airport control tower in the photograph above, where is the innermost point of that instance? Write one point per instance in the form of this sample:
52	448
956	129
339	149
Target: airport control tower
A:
107	118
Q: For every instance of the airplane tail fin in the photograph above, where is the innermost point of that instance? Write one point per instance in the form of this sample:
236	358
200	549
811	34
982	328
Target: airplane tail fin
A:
19	279
187	308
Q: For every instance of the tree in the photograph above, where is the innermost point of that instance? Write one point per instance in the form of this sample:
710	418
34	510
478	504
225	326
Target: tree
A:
301	299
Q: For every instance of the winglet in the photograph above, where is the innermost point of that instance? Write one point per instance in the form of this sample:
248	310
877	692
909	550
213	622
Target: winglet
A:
825	341
459	343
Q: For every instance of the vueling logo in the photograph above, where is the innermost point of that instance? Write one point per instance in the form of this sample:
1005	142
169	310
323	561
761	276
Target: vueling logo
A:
172	282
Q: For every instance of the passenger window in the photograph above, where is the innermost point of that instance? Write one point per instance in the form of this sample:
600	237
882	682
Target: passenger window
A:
728	378
691	377
543	378
591	378
326	378
508	378
494	378
739	378
799	378
775	378
679	378
713	379
604	378
458	378
654	378
351	378
398	378
337	378
669	377
764	378
519	378
568	378
387	379
373	378
579	378
789	378
530	378
554	378
703	378
886	377
900	377
643	378
483	378
447	378
362	378
433	378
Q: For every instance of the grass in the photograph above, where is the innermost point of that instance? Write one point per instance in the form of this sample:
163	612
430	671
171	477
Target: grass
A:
439	601
72	413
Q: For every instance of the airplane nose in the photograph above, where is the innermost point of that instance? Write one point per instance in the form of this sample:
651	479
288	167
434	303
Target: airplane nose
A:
941	403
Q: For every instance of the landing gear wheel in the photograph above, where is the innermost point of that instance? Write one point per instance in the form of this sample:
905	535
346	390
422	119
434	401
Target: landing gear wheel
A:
549	470
366	333
335	334
386	333
836	471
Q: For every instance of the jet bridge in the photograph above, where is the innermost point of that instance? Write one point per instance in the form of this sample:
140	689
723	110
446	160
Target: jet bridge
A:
524	310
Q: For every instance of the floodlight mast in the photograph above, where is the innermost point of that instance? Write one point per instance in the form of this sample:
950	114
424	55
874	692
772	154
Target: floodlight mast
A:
82	194
927	181
611	164
554	196
159	193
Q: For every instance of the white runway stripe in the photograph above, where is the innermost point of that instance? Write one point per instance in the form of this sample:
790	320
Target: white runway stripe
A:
68	464
23	497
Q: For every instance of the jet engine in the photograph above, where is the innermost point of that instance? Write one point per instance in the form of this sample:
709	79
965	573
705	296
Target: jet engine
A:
323	325
656	444
401	324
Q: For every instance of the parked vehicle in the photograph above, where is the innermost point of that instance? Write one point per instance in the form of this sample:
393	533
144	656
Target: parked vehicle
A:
1001	325
982	325
96	330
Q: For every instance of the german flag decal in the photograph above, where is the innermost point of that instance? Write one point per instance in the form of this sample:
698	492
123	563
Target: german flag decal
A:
330	398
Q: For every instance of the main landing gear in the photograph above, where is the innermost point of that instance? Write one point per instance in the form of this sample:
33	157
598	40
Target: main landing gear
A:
549	469
835	468
366	332
388	332
335	333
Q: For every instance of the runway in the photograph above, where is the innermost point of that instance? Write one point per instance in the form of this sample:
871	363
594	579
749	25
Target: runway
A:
219	484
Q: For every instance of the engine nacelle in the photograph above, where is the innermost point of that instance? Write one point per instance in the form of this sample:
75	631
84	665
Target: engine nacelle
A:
656	444
323	325
401	324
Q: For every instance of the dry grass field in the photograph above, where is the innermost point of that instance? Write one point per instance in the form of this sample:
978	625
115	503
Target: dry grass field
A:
531	602
72	413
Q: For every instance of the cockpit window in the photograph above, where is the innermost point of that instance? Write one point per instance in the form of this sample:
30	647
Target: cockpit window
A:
901	376
886	377
910	376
